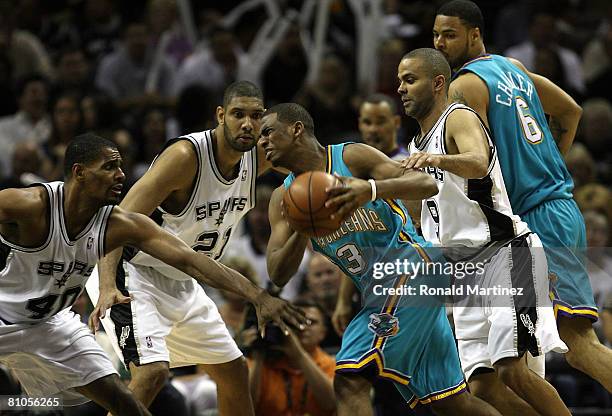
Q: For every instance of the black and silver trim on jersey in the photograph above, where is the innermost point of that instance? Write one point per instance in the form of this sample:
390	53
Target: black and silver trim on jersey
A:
107	211
196	184
213	162
63	229
255	171
501	227
50	206
421	142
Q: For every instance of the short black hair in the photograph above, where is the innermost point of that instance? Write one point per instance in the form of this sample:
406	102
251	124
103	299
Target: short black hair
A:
23	83
436	63
381	98
241	89
291	113
85	148
466	10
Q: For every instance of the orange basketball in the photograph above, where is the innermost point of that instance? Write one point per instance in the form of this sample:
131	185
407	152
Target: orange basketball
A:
304	204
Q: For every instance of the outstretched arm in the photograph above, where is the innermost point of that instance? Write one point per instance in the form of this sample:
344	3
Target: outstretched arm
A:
126	228
144	197
564	112
285	246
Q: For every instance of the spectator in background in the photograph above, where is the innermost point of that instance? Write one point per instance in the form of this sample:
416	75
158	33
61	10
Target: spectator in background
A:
299	381
123	74
66	124
597	63
8	104
73	73
290	65
599	254
379	123
543	35
547	62
150	138
27	166
31	121
213	67
99	26
596	197
328	100
99	114
195	111
581	165
322	285
390	53
596	134
163	22
27	55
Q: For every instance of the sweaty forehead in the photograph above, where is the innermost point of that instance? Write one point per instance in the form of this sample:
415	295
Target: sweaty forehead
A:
109	154
245	103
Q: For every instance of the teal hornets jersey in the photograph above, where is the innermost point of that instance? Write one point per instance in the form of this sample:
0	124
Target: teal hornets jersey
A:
532	166
376	230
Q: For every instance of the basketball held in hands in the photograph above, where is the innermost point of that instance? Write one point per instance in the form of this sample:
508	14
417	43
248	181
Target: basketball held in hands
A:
304	204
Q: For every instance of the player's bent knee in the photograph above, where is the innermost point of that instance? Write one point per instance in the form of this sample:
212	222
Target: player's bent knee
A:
153	373
232	375
511	370
350	386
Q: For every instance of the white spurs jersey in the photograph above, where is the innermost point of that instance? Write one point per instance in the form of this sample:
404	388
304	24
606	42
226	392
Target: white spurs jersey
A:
36	283
214	209
465	212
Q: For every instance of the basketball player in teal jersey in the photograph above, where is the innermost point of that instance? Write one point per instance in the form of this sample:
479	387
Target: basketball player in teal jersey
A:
414	347
513	103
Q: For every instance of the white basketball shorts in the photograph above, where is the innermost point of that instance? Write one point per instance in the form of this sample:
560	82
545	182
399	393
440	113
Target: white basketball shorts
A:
54	356
513	316
167	320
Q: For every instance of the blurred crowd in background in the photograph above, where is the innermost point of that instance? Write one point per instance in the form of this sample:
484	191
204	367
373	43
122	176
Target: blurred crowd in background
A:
141	72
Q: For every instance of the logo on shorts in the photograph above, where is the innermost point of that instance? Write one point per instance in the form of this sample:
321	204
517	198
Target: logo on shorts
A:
383	324
526	320
125	332
243	177
90	241
149	342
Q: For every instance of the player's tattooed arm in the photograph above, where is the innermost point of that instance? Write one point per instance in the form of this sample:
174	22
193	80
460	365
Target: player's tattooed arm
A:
559	105
557	129
468	89
458	97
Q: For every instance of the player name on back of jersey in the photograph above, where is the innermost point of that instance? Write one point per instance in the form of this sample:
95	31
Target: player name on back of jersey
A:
509	85
209	209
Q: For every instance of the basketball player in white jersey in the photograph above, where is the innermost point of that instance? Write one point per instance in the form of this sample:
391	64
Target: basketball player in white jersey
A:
51	236
471	216
198	187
